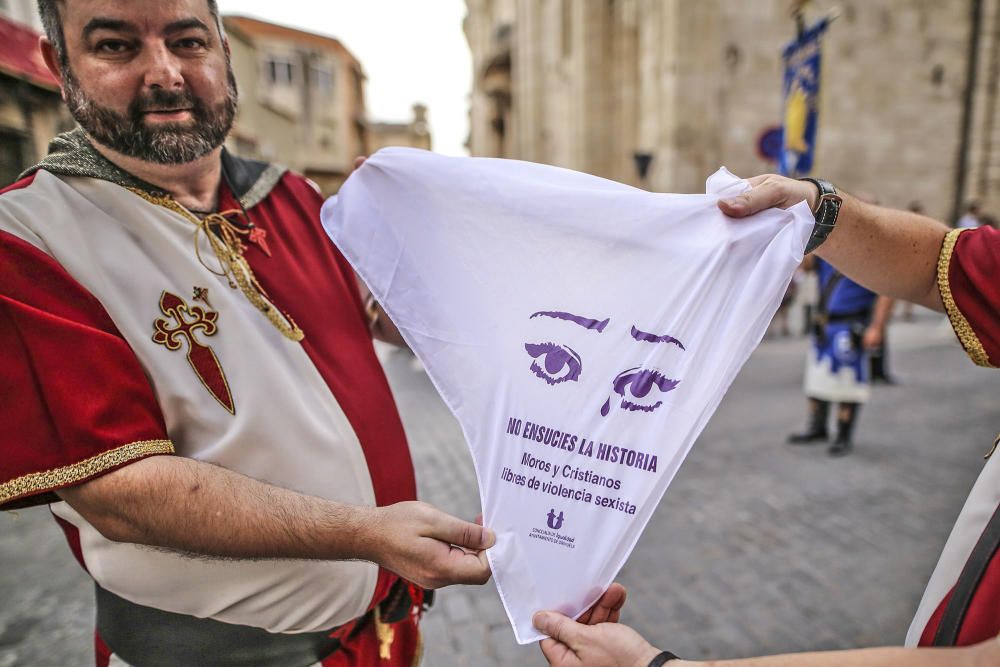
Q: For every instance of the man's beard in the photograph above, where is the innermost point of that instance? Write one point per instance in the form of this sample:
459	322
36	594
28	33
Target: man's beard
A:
165	143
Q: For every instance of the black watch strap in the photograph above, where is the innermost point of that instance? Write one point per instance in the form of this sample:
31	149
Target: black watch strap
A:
662	659
826	212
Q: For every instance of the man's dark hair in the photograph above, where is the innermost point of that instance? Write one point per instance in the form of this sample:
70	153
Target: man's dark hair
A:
48	10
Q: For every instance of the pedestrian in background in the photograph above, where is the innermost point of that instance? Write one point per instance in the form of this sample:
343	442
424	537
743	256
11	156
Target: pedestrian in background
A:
971	218
847	321
781	317
876	339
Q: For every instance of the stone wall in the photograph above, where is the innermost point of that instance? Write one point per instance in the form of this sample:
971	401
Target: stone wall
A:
983	182
592	82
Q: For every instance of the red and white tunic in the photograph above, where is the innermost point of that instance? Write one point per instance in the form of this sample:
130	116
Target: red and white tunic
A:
967	277
120	343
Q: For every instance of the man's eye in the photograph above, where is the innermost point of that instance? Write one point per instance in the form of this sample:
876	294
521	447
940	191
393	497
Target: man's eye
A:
113	46
554	363
640	388
190	43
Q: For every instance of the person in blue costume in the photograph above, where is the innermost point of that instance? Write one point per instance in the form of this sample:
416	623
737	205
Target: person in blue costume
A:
848	321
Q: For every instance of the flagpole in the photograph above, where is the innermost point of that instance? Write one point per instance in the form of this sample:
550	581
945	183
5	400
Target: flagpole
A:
801	91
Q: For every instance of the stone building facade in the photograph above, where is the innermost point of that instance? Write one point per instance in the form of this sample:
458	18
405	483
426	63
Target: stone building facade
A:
302	103
302	100
31	109
588	84
414	134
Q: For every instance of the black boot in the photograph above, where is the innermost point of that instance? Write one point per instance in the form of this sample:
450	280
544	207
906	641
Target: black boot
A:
846	417
816	431
879	372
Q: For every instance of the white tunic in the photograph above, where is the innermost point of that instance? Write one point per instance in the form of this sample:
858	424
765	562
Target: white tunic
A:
127	252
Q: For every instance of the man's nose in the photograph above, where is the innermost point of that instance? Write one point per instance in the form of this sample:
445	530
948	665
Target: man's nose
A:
162	69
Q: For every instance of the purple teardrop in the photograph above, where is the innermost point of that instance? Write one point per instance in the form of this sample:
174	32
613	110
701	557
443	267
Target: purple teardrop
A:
606	408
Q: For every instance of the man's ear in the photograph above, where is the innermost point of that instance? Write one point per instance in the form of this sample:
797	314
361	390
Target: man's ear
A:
51	58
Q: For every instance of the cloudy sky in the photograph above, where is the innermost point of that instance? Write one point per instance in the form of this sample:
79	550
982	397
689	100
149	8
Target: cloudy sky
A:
411	52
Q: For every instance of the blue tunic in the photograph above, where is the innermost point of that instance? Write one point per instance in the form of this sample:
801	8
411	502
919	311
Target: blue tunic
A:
840	346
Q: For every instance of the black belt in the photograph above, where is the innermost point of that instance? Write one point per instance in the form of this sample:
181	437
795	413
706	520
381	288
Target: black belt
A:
146	637
854	316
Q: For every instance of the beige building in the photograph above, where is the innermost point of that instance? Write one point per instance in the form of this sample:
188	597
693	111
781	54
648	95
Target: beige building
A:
588	84
302	100
414	134
31	109
302	103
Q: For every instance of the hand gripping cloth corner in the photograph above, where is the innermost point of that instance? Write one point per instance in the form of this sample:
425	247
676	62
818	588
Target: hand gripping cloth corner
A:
582	331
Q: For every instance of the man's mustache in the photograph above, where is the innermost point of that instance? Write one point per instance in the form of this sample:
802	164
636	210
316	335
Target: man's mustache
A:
160	100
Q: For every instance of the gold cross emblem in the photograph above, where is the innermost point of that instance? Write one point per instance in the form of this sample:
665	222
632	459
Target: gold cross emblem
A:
181	324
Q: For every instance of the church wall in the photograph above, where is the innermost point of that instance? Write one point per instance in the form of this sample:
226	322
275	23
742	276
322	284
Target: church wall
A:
696	83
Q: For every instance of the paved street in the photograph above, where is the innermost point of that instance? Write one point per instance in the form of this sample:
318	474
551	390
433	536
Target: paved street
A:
757	546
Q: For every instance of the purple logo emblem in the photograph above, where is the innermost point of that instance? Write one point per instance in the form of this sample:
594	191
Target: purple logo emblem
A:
555	522
639	388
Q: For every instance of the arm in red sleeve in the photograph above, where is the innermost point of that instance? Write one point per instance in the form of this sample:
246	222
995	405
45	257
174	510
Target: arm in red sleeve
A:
967	278
74	400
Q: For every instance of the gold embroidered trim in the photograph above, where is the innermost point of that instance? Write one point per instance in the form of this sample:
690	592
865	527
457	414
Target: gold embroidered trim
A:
229	252
970	341
993	449
54	479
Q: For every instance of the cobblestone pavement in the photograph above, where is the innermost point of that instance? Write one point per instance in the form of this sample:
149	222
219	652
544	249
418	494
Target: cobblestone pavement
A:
757	546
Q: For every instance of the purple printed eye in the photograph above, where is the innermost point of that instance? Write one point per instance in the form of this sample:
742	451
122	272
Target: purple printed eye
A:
554	363
635	384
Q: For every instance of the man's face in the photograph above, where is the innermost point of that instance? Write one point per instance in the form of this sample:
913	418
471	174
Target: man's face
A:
148	78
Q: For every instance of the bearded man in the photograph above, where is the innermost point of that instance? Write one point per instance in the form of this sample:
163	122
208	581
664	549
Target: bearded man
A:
205	415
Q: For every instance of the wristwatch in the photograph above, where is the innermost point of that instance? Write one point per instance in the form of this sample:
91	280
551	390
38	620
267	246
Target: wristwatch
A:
661	659
826	212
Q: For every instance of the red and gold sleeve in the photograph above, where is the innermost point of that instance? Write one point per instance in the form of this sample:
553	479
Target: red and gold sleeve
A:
74	400
967	278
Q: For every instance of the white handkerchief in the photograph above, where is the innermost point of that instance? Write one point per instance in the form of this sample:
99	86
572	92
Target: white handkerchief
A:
582	331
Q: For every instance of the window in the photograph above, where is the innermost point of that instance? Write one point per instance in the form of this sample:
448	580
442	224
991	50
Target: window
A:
280	71
322	80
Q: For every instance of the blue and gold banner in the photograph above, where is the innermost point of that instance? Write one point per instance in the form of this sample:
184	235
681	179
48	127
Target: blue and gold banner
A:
801	93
